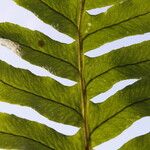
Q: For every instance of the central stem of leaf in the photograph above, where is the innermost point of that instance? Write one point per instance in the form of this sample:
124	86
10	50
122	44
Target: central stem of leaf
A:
84	101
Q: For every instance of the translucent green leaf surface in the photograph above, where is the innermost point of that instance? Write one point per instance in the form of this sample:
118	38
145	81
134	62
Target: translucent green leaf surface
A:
94	75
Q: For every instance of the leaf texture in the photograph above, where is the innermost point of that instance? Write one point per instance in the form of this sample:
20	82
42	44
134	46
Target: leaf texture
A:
35	132
138	143
48	11
72	105
98	4
121	12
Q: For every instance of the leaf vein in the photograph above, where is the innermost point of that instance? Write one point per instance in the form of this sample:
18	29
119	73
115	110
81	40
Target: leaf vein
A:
119	66
59	13
111	117
41	97
27	139
109	26
49	55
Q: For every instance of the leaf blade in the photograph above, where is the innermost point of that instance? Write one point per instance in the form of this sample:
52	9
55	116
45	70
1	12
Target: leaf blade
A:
32	130
50	109
117	14
139	143
47	14
117	125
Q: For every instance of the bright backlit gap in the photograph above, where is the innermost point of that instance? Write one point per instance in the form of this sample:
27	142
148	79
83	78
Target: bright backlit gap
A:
97	11
10	12
115	88
16	61
138	128
120	43
32	115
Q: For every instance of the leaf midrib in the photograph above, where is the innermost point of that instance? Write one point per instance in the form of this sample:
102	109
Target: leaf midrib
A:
82	85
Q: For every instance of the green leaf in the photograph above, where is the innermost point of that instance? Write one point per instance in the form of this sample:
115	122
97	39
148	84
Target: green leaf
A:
119	13
36	46
117	59
52	109
37	133
72	105
26	81
98	4
107	79
38	42
125	107
120	122
48	11
19	142
134	26
138	143
70	5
